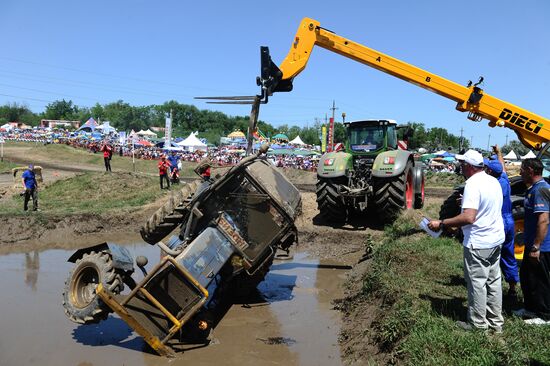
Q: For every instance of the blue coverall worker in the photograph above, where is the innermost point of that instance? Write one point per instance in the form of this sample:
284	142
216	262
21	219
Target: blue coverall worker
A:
508	263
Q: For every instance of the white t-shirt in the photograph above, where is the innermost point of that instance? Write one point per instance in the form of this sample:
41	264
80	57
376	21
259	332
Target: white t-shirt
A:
483	193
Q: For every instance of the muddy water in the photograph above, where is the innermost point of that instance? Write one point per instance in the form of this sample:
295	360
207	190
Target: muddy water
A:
290	322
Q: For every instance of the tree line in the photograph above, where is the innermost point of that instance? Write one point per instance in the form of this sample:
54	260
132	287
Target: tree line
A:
212	124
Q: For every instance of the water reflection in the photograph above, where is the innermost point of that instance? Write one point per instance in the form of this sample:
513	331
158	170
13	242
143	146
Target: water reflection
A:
32	267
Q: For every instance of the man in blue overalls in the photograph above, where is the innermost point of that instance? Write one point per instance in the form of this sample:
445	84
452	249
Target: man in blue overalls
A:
508	263
31	188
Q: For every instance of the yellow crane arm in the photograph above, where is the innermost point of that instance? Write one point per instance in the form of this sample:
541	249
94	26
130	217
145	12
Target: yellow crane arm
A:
533	130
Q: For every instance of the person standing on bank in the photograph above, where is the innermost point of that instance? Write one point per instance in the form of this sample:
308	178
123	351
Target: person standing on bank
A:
164	167
508	263
535	267
483	229
31	188
107	153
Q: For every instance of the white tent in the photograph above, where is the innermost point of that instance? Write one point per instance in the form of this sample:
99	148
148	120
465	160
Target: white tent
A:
106	128
192	143
297	141
147	133
510	156
7	127
529	155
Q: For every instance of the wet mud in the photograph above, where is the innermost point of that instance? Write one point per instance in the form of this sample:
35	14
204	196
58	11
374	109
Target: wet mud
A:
290	320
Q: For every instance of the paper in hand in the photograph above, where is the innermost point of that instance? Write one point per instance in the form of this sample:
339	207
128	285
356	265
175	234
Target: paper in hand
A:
424	226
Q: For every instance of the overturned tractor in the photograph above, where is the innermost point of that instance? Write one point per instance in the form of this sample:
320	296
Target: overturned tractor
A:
228	231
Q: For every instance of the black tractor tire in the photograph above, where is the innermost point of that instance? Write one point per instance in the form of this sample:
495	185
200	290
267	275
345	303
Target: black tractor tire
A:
450	208
390	194
170	215
80	301
331	205
419	189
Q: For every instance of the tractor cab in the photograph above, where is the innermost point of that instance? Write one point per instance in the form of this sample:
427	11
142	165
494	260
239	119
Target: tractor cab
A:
370	136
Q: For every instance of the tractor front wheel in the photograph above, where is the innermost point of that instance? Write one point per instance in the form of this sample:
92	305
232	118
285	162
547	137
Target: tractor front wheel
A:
391	195
80	301
330	203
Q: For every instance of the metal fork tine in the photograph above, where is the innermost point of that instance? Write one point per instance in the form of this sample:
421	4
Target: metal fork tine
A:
234	102
243	97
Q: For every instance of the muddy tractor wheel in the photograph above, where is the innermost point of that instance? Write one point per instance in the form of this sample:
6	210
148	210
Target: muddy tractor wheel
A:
80	301
170	215
391	195
330	204
451	208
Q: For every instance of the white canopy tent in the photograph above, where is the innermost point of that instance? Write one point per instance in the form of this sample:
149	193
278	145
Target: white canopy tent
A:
192	143
529	155
510	156
297	141
7	127
147	133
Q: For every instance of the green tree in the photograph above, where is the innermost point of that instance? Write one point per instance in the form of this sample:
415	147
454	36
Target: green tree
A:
61	109
14	112
515	145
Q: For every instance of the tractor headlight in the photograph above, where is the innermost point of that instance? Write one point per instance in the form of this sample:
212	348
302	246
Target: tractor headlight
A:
389	160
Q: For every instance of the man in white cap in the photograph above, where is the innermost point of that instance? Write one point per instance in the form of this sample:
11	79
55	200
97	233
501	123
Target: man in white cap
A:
483	228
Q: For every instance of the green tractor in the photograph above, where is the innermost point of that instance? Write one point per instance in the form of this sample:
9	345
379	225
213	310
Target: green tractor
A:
372	173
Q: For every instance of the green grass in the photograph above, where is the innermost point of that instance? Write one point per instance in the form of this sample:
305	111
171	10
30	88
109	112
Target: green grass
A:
443	179
93	193
419	282
64	155
6	166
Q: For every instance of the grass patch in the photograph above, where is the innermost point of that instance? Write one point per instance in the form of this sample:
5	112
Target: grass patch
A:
443	179
92	193
419	283
6	166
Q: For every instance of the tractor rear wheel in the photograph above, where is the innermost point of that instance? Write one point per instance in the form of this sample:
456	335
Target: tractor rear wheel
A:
391	195
80	301
330	203
450	208
170	215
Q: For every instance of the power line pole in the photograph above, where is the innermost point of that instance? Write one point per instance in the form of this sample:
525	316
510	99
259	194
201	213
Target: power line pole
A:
333	109
488	142
471	142
506	140
460	141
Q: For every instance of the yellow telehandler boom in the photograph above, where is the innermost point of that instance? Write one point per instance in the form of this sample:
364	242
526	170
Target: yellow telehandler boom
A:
532	130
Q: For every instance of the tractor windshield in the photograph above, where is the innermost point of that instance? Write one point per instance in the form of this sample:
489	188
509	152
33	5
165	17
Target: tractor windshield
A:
366	138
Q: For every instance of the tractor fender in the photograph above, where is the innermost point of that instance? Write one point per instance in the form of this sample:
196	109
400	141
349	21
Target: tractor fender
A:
122	259
391	163
334	164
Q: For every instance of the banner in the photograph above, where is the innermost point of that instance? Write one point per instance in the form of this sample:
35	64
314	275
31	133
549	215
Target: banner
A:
168	132
122	137
323	139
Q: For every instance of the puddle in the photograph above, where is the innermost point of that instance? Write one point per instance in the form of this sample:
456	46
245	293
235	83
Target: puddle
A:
290	322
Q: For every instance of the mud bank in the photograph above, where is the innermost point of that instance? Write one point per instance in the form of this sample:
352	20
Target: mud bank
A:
37	231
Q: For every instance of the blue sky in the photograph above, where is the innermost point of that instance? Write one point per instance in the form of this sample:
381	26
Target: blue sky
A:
147	52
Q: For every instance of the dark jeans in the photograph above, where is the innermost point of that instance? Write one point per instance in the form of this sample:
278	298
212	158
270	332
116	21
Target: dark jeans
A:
164	176
535	284
107	164
31	192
